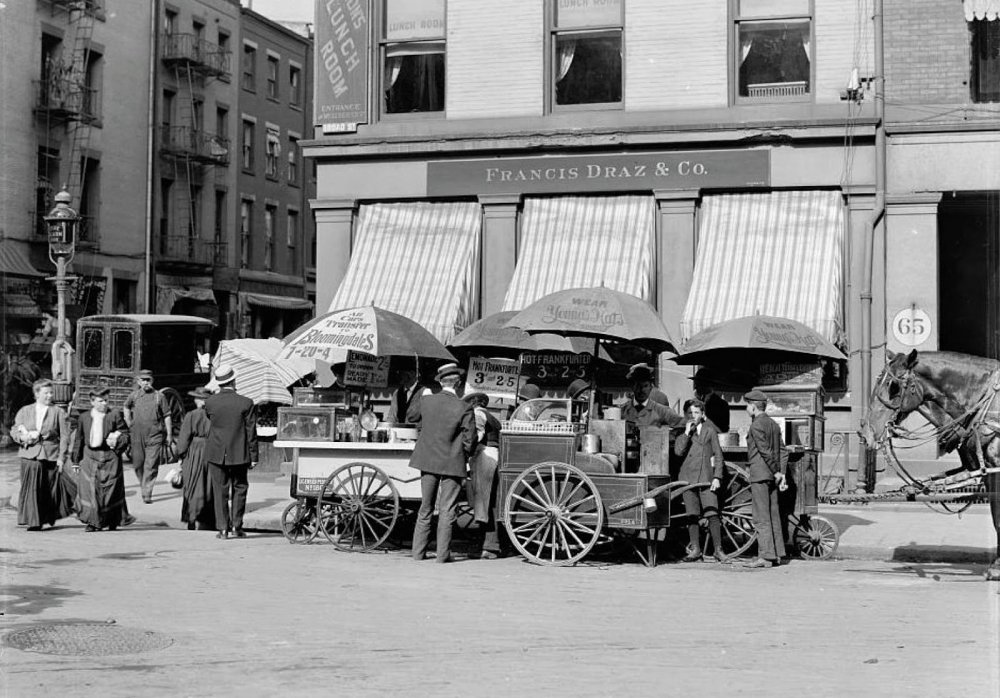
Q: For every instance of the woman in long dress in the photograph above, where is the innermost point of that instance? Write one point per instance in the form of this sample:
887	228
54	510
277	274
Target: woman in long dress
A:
42	431
100	440
197	506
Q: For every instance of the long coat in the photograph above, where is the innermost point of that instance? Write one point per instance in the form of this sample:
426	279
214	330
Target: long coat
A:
54	433
101	481
697	450
447	434
232	439
765	449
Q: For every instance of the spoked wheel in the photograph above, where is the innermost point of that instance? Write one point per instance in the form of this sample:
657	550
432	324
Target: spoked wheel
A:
298	522
357	507
735	513
816	537
553	514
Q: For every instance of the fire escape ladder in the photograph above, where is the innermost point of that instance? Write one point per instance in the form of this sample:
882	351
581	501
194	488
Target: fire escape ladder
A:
79	129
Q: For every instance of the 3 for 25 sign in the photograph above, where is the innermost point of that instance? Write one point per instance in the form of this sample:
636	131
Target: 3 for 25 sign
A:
495	377
911	326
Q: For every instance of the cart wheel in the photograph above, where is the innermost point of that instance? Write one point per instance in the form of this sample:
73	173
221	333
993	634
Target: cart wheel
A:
553	514
735	513
358	506
816	537
298	522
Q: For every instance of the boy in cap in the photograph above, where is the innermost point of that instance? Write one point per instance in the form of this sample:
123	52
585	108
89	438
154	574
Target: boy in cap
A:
768	461
641	408
148	416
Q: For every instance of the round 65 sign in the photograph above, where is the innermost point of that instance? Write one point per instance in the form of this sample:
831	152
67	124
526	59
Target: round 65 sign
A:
911	326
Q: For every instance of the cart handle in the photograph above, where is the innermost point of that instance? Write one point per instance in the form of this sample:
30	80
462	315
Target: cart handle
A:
679	485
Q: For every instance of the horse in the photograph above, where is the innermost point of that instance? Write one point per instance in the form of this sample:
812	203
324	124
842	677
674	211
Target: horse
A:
958	394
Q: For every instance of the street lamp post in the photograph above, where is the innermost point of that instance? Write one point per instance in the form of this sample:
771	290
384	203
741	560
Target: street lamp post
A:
62	223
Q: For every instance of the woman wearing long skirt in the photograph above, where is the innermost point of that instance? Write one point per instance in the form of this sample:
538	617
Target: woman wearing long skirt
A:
100	440
42	431
197	508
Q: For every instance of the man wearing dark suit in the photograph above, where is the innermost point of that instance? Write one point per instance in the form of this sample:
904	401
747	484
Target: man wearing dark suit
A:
768	463
716	407
408	392
703	462
447	439
642	409
230	450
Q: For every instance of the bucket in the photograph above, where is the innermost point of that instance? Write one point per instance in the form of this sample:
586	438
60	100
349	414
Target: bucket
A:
591	443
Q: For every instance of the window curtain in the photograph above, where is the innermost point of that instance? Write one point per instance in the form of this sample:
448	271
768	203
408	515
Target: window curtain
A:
567	49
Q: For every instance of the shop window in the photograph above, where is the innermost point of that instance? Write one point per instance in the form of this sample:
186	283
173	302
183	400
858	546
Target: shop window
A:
985	60
121	349
413	56
586	58
773	50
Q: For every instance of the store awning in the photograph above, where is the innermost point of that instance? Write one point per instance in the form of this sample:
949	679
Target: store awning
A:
168	296
14	261
420	260
982	9
576	241
266	300
775	254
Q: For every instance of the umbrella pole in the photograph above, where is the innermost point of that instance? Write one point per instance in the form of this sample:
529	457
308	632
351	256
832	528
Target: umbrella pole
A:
593	389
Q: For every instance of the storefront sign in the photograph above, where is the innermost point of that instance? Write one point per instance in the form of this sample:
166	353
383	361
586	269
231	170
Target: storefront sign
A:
588	13
341	82
576	173
412	20
366	371
911	326
554	369
495	377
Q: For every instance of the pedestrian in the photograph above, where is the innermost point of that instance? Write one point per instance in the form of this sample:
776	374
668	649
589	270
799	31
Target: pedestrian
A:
446	440
231	451
768	460
703	462
484	477
640	408
716	407
197	504
42	431
148	416
99	441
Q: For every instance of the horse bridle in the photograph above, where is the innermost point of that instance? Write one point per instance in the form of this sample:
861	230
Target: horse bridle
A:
908	385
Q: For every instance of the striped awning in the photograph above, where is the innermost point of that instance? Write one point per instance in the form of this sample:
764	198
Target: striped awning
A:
577	241
14	261
420	260
982	9
775	254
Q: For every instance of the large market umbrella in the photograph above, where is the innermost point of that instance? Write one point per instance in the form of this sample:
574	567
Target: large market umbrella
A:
598	312
366	329
260	376
493	334
757	337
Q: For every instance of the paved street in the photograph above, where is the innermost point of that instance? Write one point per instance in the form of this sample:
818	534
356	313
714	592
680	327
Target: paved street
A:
262	617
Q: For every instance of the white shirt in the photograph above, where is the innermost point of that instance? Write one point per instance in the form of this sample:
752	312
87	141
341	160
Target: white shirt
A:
96	429
40	412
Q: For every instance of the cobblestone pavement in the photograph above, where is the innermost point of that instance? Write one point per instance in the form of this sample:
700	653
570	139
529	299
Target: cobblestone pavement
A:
260	617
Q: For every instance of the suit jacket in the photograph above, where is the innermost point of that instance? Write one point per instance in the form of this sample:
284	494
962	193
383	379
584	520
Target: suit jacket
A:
54	433
447	434
652	414
402	400
717	409
765	449
113	421
697	450
232	438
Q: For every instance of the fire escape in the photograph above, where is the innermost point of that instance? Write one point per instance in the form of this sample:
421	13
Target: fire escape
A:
190	153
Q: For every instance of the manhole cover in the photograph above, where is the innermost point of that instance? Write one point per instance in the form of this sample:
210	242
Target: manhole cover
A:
87	639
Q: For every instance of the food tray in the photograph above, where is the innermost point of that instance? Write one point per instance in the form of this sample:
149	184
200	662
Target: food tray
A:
525	427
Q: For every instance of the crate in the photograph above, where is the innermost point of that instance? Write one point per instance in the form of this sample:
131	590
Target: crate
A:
522	450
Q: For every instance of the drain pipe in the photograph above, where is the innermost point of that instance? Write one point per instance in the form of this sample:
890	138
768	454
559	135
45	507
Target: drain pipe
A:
878	216
147	291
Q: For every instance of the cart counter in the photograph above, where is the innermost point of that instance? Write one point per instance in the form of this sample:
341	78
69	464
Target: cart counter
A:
314	461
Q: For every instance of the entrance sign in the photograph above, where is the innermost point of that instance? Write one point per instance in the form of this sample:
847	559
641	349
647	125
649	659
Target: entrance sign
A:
495	377
366	371
911	326
341	71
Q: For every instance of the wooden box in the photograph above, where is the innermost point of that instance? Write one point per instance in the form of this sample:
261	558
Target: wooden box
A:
655	450
520	451
619	438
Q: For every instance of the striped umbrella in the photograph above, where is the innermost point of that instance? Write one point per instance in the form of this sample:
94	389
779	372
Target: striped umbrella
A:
260	376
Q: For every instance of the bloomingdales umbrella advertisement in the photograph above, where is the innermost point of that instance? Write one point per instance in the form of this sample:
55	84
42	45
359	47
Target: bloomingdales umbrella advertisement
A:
341	92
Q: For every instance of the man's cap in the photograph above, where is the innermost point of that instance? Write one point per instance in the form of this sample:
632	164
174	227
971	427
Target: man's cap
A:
446	370
200	392
755	396
145	373
639	372
103	391
529	391
577	388
476	396
225	374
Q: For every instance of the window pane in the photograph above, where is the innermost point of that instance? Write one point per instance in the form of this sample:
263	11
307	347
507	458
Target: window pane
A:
588	70
986	60
414	82
773	8
92	341
588	13
774	59
414	19
121	349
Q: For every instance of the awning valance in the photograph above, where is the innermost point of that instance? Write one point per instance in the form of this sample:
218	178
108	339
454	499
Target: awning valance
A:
266	300
775	254
982	9
420	260
168	296
14	261
577	241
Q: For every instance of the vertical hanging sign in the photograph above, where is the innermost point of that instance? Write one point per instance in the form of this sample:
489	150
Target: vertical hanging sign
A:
340	94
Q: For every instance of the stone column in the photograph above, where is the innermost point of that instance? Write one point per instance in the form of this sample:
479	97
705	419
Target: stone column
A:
499	250
334	224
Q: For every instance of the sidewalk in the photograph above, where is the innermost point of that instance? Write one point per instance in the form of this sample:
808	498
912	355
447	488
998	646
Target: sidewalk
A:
883	531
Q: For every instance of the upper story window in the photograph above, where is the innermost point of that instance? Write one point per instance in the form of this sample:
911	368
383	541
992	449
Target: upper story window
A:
586	58
169	22
249	68
247	150
272	77
413	53
272	151
293	161
295	85
773	45
985	60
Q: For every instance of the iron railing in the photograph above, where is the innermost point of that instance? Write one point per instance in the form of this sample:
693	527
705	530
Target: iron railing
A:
66	98
190	142
198	54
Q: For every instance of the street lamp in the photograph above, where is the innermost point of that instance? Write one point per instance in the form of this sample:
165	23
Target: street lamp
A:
62	223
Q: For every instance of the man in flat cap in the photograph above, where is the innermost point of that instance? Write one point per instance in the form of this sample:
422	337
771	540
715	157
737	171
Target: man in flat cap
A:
768	464
148	416
641	409
447	439
98	443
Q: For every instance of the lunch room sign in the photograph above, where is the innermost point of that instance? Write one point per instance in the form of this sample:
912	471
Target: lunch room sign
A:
638	171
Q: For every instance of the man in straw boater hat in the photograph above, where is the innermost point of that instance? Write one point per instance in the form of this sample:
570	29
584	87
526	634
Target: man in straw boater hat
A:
230	450
148	416
768	461
99	440
447	439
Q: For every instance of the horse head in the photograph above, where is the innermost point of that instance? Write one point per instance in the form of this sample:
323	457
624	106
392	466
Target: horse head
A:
898	391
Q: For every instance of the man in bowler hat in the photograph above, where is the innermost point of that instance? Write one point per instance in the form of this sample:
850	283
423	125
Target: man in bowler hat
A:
642	409
447	439
768	464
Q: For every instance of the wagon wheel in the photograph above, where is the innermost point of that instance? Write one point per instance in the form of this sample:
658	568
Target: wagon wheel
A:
357	507
553	514
735	513
816	537
298	522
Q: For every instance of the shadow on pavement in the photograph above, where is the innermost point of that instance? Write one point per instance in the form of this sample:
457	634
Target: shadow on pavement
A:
941	553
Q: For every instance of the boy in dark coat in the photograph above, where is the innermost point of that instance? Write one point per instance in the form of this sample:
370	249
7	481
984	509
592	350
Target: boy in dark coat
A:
703	462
